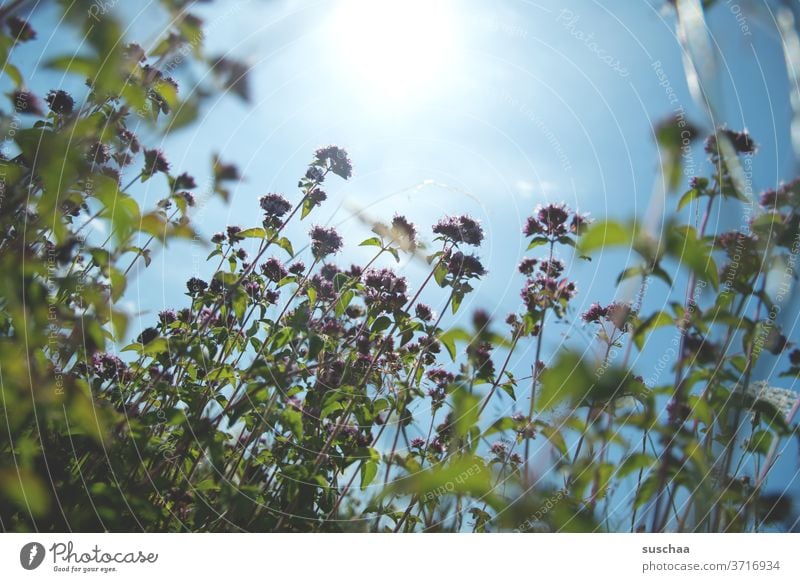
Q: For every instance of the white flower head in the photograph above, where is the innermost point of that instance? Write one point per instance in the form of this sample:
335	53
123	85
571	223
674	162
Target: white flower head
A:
781	398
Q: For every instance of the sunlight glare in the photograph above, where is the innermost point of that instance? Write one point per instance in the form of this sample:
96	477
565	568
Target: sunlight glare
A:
397	48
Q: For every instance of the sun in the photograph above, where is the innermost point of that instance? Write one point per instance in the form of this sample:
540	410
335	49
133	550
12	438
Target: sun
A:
395	48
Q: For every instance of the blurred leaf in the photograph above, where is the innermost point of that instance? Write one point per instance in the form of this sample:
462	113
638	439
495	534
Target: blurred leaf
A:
604	234
26	490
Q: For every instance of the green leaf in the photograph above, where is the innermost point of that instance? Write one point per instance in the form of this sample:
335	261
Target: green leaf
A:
455	303
440	274
606	234
293	420
371	242
684	245
380	324
660	273
119	321
308	206
508	388
240	301
344	302
74	64
449	338
635	462
629	273
119	283
467	475
465	410
692	194
655	321
369	468
566	240
554	436
567	379
538	241
256	232
286	245
13	73
701	410
501	425
25	489
760	442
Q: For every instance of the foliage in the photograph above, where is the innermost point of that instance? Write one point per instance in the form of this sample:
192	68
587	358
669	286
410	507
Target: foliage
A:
286	396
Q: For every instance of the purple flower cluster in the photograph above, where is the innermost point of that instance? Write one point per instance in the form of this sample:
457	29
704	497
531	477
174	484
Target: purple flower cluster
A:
109	367
499	448
741	141
154	162
465	266
271	296
184	182
441	377
233	234
208	318
555	221
315	174
541	292
481	357
167	316
225	171
275	208
273	269
336	159
324	242
354	435
60	102
98	153
316	197
129	140
330	375
736	243
527	266
404	233
437	446
147	335
253	289
187	197
547	267
460	229
423	312
481	320
196	286
20	30
785	195
322	282
384	291
552	267
618	313
27	103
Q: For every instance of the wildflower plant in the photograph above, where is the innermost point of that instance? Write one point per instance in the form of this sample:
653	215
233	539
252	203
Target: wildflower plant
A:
290	391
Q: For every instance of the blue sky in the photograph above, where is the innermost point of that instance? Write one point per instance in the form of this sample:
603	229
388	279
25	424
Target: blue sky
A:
519	110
